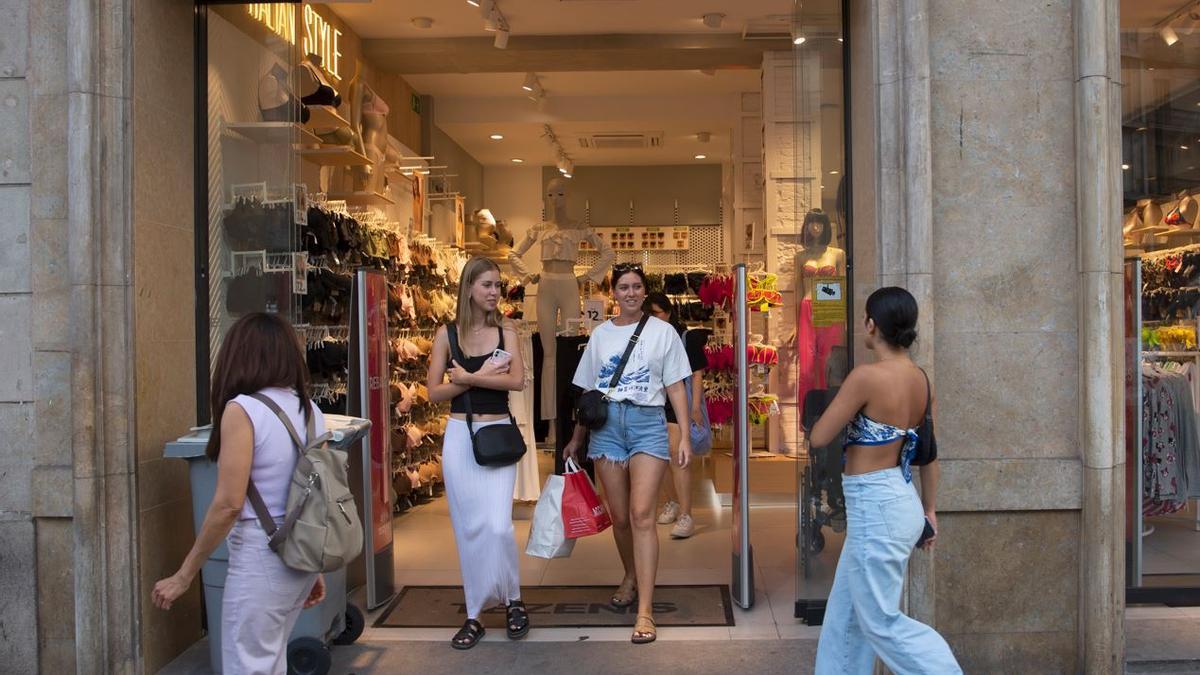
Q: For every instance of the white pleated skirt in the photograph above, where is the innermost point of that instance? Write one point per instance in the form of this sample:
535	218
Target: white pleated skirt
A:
480	500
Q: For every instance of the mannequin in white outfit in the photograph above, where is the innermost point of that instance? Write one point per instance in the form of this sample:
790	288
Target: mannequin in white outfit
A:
558	286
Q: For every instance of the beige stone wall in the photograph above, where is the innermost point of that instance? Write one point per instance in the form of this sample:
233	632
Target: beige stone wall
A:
164	311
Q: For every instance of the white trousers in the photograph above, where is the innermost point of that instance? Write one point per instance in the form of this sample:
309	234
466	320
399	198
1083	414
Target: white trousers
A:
262	601
480	500
557	301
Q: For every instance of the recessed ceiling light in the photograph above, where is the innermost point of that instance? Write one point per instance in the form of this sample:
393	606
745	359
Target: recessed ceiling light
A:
1124	167
517	160
841	40
833	172
1150	68
1183	147
701	156
473	3
567	175
497	137
1144	128
798	39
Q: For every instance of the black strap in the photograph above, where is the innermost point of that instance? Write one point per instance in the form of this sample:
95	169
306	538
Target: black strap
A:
456	353
633	340
928	396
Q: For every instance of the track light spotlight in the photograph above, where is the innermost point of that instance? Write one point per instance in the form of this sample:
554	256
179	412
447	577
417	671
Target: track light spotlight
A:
1168	35
501	41
491	22
713	19
530	82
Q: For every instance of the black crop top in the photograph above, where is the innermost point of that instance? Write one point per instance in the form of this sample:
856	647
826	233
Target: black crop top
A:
483	401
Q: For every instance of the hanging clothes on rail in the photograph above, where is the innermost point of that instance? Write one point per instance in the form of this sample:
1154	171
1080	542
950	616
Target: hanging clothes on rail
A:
1170	440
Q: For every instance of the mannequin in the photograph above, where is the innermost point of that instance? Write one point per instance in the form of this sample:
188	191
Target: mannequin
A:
558	286
276	103
816	258
372	112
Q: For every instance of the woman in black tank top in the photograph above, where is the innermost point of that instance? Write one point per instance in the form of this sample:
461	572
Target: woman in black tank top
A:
480	497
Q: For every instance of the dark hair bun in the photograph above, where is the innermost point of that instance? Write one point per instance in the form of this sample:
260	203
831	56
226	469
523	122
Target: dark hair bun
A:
905	338
894	311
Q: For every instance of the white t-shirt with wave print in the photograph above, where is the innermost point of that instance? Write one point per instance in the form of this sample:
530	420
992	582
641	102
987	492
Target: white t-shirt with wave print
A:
659	360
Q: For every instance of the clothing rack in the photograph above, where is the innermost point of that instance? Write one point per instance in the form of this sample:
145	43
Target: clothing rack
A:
1181	357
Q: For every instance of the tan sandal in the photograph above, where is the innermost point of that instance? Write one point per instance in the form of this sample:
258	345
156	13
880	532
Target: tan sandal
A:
644	631
624	597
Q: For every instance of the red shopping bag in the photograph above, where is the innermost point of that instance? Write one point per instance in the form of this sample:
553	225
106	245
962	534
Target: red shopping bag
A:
582	511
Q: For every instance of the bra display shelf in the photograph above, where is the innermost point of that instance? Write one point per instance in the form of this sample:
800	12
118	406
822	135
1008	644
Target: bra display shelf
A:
335	155
325	117
363	198
273	132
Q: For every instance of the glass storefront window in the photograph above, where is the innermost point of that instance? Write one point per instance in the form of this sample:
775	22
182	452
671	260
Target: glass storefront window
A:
1160	143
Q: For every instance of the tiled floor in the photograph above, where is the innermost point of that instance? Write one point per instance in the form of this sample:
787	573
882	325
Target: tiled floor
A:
1173	547
425	555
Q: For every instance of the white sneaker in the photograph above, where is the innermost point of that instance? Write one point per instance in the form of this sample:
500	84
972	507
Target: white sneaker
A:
669	512
684	527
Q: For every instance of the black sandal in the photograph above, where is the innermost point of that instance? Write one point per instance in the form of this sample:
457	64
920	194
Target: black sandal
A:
467	636
518	620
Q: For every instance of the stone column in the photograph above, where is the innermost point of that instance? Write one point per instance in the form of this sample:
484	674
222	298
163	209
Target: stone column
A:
1101	334
99	190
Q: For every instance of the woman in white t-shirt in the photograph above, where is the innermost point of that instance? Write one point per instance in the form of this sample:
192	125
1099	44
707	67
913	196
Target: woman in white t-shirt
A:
632	447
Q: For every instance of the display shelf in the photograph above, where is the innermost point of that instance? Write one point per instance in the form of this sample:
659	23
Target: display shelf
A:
362	198
335	155
1173	354
273	132
325	117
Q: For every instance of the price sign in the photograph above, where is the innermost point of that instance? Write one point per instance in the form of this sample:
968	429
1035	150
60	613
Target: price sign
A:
593	314
829	302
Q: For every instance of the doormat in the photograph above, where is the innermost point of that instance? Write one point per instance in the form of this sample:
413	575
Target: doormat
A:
562	607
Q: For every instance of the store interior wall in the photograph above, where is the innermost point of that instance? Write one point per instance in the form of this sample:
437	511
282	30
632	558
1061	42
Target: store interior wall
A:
653	192
514	195
164	312
468	181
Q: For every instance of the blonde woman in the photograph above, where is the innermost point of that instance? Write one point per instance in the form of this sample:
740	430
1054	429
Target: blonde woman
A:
480	497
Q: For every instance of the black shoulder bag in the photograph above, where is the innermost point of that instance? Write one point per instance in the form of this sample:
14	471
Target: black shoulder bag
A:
592	409
495	444
926	450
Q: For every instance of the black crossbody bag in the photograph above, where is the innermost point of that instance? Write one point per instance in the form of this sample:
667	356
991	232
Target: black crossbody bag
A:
926	450
592	409
495	444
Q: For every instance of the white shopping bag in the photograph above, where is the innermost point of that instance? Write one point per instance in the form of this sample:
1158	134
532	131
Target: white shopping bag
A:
546	537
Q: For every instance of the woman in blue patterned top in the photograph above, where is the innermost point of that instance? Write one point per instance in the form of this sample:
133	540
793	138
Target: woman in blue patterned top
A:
880	406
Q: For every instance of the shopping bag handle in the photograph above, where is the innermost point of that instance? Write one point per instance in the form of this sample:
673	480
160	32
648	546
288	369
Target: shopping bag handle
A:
570	466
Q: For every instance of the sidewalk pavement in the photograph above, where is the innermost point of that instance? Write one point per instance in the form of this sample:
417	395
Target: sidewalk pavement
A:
1159	640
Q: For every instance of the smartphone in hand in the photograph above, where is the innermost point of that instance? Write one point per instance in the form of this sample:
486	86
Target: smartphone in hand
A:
501	357
926	534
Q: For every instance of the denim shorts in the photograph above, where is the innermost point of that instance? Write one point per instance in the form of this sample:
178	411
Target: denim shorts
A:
630	429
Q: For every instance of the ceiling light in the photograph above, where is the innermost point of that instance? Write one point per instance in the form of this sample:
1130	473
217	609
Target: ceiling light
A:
567	175
474	3
833	172
797	38
538	93
1144	128
517	160
713	19
492	21
701	156
422	22
1168	35
530	81
1124	167
497	137
501	41
1183	147
840	39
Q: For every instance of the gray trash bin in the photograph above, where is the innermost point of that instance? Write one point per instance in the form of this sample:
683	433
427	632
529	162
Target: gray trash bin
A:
332	621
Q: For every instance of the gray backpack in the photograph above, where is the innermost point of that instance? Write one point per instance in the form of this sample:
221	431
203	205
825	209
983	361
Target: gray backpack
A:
321	531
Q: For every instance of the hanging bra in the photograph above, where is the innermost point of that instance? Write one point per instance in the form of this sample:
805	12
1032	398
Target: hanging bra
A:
325	94
863	430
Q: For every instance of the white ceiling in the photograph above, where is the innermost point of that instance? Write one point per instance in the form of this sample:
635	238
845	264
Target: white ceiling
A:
526	141
456	18
623	83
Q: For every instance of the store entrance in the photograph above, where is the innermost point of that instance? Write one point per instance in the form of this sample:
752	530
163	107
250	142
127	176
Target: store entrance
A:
557	143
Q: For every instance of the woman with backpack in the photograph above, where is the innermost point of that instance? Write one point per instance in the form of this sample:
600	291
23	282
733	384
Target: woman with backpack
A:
638	361
261	356
480	497
881	406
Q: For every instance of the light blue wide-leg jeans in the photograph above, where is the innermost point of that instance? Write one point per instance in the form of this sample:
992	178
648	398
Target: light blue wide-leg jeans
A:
884	520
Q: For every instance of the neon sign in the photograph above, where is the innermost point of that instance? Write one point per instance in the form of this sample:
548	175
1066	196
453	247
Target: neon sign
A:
320	37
